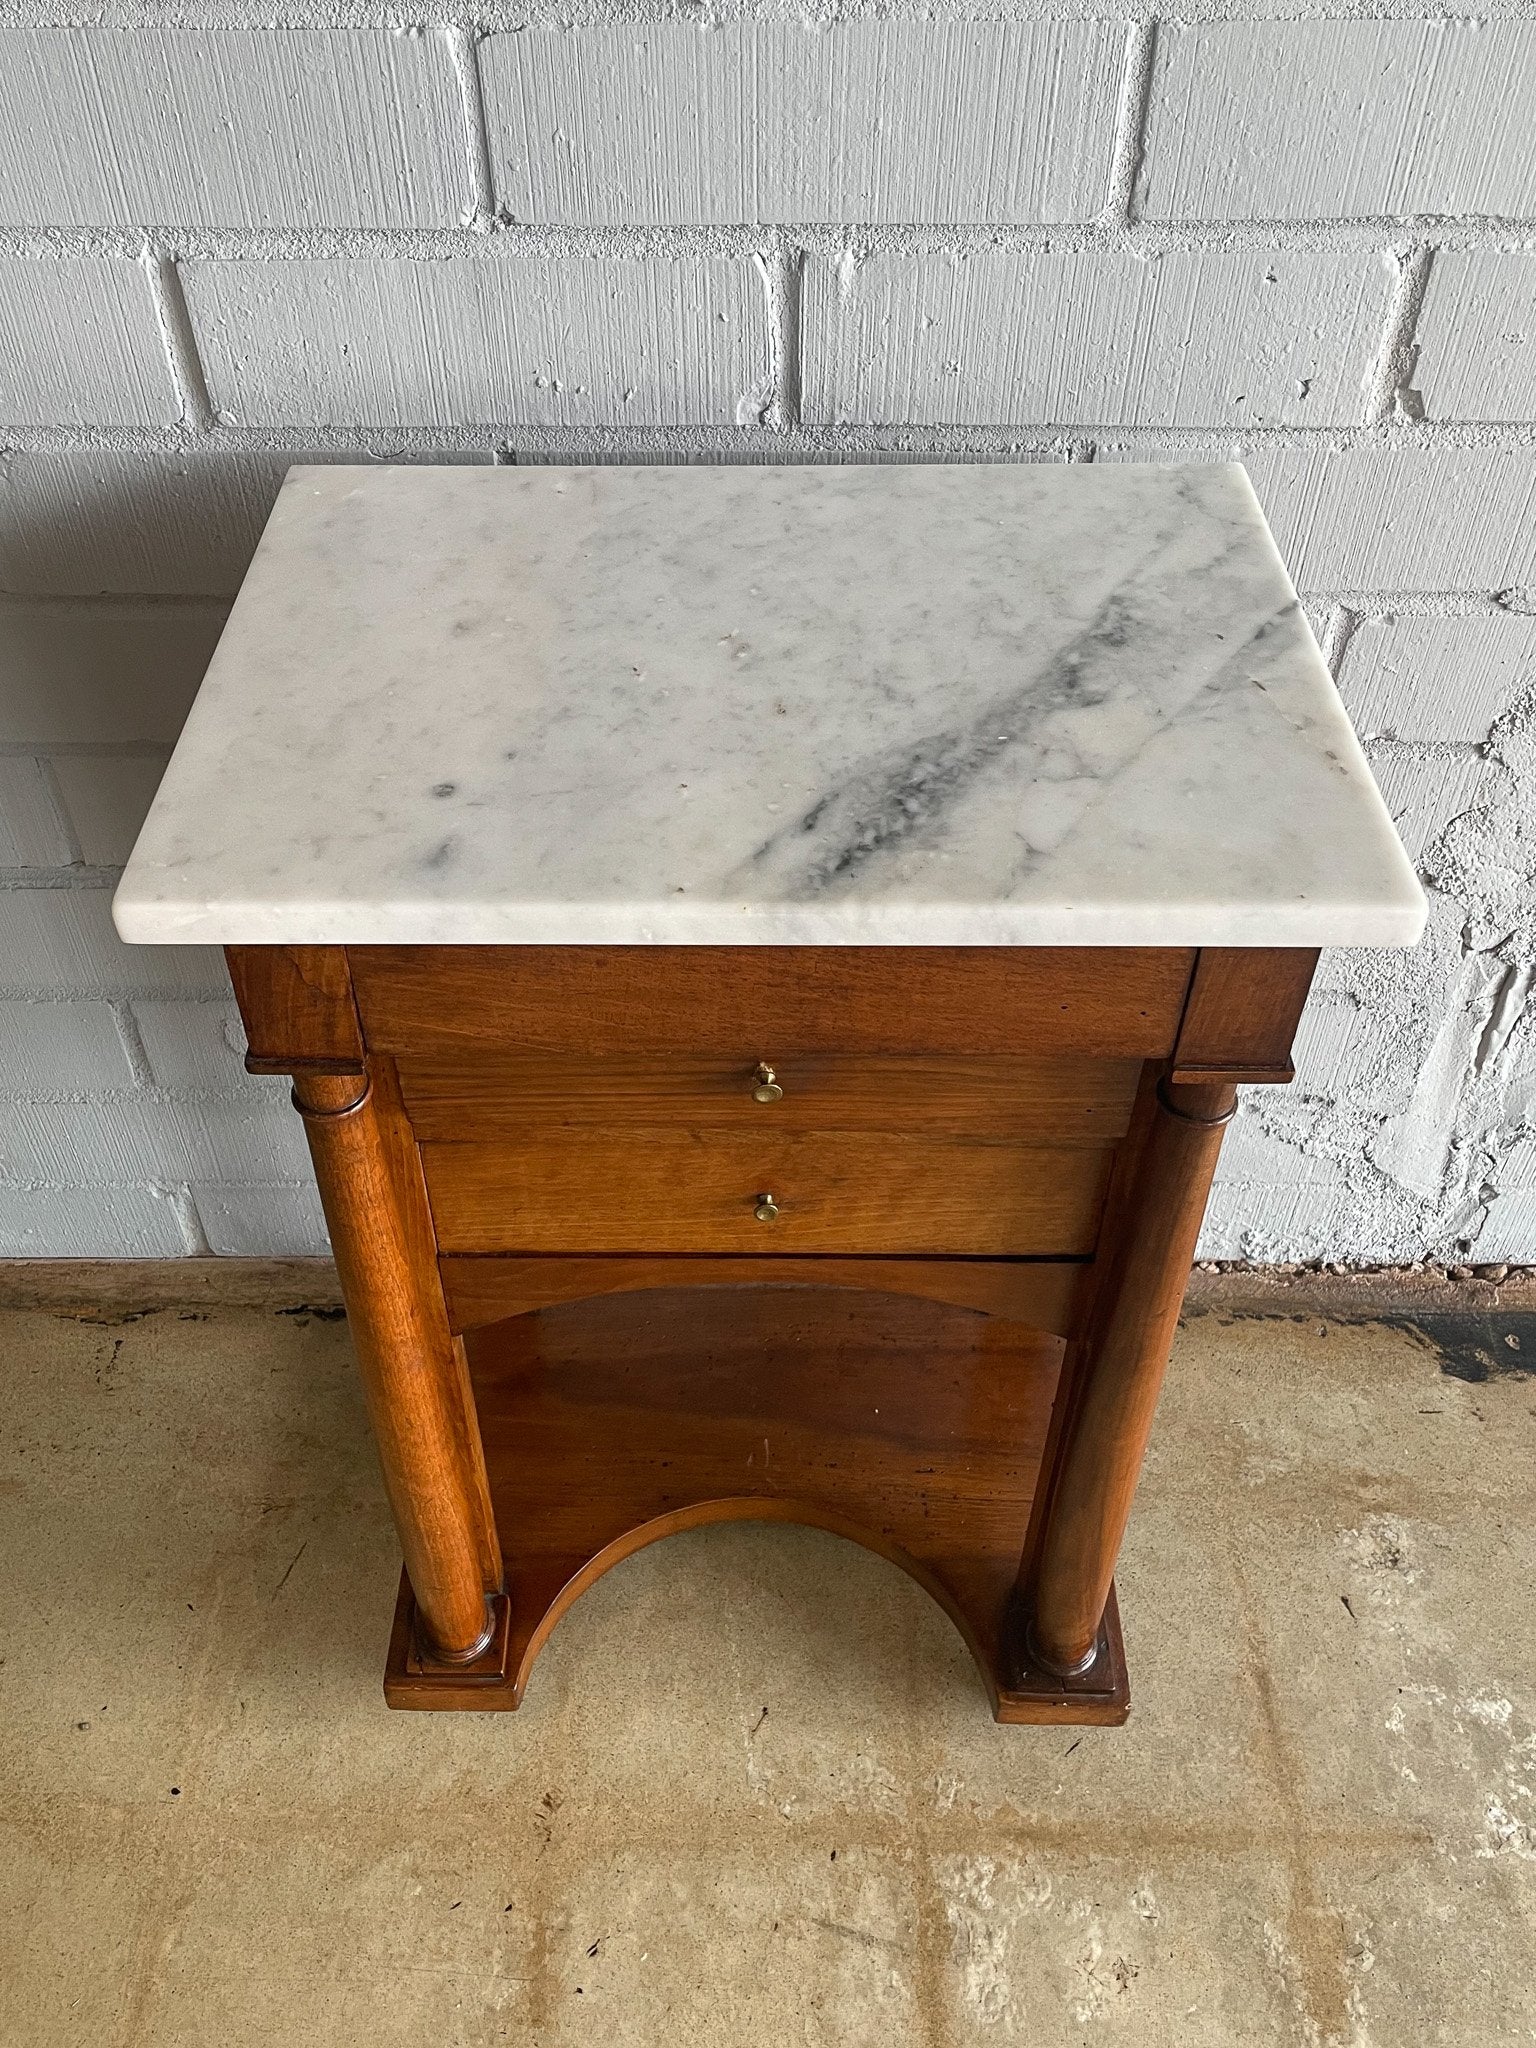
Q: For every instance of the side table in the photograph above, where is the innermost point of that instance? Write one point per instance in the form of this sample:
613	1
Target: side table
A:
766	959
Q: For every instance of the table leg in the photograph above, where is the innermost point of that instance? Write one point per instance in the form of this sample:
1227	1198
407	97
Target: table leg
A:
1126	1351
412	1370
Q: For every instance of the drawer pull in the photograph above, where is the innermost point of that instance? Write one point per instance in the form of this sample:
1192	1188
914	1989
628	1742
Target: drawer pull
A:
766	1088
767	1208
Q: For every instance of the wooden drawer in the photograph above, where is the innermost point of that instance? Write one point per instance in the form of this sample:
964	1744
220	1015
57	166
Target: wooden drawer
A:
667	1190
1120	1002
1054	1102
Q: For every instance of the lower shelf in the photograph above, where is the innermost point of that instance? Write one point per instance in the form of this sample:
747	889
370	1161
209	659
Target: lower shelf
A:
915	1428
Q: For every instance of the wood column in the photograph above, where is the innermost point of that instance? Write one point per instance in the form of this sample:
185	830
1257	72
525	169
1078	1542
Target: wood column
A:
412	1369
1126	1353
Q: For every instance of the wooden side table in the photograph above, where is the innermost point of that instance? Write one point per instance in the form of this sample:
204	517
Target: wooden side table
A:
756	1197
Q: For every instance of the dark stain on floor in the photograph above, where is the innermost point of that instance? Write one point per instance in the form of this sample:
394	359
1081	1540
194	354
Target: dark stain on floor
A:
1482	1345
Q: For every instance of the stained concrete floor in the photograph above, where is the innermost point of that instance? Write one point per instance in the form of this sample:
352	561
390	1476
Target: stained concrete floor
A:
755	1796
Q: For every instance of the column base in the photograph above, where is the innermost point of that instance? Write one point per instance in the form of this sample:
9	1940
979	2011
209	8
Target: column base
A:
413	1679
1029	1693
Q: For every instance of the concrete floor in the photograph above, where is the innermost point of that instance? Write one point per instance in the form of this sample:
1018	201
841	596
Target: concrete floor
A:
755	1798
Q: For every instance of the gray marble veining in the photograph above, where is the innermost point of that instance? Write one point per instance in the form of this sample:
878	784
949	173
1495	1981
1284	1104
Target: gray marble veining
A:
735	705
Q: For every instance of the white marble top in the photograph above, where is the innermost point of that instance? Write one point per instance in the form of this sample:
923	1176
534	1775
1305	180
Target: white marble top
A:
952	705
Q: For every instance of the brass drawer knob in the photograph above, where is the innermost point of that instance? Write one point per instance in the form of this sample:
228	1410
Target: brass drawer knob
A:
767	1208
766	1088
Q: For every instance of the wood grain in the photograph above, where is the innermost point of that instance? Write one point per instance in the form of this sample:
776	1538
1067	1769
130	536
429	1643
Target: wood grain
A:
296	1002
412	1367
1244	1006
1032	1101
1044	1293
1100	1003
842	1191
1120	1374
912	1428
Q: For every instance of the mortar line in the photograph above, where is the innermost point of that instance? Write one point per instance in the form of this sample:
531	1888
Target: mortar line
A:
86	750
1387	389
463	44
742	239
144	600
62	818
131	1040
177	337
1212	441
1131	125
80	880
1336	636
1469	603
497	16
184	1208
786	299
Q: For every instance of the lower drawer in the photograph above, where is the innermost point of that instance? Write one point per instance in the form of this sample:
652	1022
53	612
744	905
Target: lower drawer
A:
843	1191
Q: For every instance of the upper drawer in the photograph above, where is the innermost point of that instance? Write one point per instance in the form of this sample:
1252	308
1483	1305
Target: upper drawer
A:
1102	1002
1032	1101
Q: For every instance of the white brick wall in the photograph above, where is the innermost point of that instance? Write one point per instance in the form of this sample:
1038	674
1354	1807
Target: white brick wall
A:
1189	339
1401	518
1320	120
105	798
32	832
1045	234
80	345
1429	678
171	522
1477	335
230	128
773	121
386	342
105	674
40	1056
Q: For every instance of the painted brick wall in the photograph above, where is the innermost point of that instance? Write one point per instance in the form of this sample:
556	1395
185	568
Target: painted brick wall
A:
279	230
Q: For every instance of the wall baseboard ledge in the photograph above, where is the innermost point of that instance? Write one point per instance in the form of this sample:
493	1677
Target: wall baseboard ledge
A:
133	1287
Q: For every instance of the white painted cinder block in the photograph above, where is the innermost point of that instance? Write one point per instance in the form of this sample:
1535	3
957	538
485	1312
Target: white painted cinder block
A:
61	942
73	1047
1437	678
1303	120
381	341
254	1135
1477	334
229	128
1190	339
83	521
104	1140
192	1046
120	1139
866	121
32	832
80	344
1400	519
262	1221
106	797
88	1223
1255	1156
1508	1230
107	672
88	520
1426	787
1302	1220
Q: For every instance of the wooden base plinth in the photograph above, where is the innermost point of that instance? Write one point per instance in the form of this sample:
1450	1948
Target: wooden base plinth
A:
914	1428
413	1679
1032	1693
